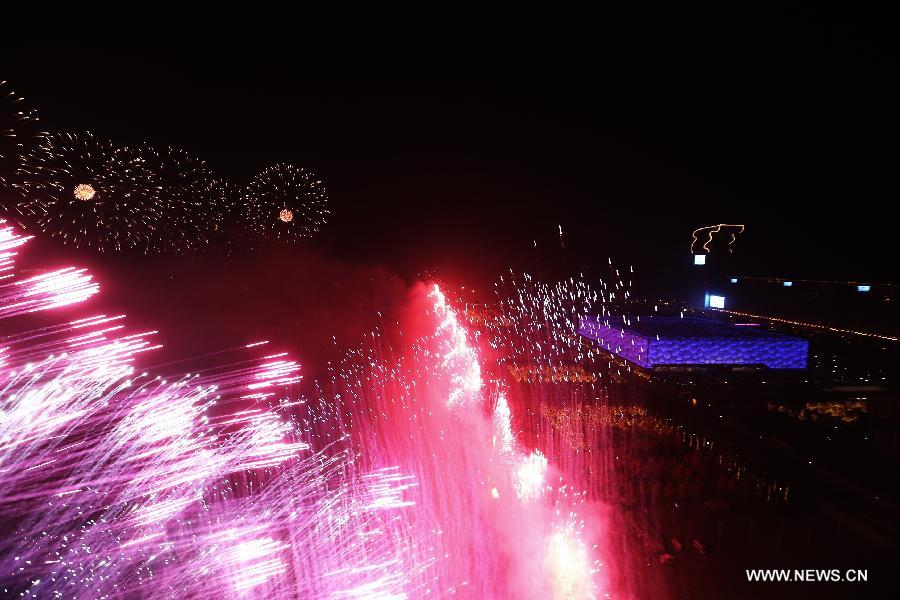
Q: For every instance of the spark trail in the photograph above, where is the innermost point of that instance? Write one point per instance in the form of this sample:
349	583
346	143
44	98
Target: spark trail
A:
403	479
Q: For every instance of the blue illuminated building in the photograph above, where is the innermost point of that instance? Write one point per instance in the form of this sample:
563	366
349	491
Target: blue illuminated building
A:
666	341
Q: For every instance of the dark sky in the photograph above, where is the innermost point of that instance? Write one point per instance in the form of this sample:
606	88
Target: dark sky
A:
453	140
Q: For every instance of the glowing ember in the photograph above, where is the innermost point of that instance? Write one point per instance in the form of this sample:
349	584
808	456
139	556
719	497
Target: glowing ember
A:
286	215
530	476
570	565
85	192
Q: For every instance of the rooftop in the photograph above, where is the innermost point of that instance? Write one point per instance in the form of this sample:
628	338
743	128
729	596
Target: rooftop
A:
659	341
674	328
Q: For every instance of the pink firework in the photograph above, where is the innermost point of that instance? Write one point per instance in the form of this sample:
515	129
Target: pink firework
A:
405	480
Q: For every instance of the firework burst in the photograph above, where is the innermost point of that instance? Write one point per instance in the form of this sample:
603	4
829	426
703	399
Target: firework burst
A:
89	193
284	203
192	199
19	131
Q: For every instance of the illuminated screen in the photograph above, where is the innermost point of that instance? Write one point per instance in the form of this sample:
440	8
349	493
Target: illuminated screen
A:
734	280
716	301
787	283
863	288
699	259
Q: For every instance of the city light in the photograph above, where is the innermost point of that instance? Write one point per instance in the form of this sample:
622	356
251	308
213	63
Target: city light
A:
820	326
713	301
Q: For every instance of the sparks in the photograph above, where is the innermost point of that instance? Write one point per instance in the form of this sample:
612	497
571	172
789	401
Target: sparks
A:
84	191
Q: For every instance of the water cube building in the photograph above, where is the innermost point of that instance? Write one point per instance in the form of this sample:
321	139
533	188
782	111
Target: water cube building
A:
654	342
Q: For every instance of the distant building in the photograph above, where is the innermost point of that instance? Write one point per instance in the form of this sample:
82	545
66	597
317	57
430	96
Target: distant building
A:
659	342
851	306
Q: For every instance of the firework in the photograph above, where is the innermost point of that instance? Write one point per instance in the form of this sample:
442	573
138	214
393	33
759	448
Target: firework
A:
285	203
85	192
121	483
535	326
89	193
228	483
425	410
191	197
711	230
19	132
125	484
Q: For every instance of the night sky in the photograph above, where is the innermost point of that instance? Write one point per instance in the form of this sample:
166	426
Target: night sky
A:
451	142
